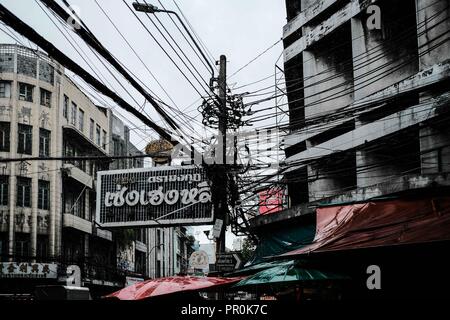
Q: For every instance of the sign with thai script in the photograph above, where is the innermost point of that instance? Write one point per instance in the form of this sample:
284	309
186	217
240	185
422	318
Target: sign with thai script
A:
271	200
157	196
199	260
228	262
28	270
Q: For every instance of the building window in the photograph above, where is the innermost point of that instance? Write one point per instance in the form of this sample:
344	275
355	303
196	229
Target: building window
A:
24	192
81	120
22	249
4	136
5	89
73	119
44	143
46	98
26	92
4	190
98	132
24	145
74	204
91	130
42	248
104	140
66	107
44	195
71	150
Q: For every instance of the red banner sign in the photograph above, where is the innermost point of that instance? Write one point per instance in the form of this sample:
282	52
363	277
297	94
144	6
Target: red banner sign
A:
271	200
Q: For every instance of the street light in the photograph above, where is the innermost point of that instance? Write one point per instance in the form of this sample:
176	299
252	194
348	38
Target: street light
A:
149	8
148	256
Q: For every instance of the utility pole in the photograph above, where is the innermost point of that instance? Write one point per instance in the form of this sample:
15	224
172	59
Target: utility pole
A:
222	208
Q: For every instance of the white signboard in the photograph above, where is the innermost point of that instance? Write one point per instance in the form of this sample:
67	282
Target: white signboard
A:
154	197
28	270
217	229
132	280
199	260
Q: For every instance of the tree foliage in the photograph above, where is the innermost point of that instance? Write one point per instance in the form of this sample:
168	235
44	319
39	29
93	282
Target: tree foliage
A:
248	248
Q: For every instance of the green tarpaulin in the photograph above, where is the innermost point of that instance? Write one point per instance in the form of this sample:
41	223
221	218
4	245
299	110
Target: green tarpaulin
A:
282	239
288	272
258	267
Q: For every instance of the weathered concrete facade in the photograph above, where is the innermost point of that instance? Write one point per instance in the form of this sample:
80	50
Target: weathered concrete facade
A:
47	208
368	103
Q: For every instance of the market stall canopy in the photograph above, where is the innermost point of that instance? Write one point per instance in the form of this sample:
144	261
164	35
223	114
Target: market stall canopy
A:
283	238
258	267
376	224
288	272
170	285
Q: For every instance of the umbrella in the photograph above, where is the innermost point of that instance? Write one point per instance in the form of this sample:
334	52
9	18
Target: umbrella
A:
170	285
288	272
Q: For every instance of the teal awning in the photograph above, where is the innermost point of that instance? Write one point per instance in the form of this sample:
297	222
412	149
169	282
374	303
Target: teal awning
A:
258	267
288	272
284	238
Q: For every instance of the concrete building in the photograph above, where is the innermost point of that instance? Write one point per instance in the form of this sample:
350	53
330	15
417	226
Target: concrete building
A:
121	145
47	208
169	251
368	143
367	86
364	101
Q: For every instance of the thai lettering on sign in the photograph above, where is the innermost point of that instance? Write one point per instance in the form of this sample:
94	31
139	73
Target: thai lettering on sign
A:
154	196
201	194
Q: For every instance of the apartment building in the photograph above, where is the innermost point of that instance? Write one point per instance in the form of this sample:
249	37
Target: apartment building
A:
367	86
47	207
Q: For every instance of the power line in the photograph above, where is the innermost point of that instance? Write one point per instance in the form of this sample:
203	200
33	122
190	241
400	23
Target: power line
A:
81	158
22	28
93	42
162	48
254	59
186	39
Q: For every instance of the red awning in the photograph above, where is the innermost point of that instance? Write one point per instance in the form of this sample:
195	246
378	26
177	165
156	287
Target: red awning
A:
375	224
163	286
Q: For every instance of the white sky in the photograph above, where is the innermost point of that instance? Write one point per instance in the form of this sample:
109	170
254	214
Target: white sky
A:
240	29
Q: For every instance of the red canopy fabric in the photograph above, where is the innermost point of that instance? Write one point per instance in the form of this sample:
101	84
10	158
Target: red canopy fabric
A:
375	224
163	286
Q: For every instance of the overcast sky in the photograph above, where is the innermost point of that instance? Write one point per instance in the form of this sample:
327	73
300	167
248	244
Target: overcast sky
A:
240	29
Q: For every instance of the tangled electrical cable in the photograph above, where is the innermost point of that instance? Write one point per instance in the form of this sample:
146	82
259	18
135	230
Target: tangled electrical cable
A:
236	110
